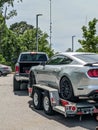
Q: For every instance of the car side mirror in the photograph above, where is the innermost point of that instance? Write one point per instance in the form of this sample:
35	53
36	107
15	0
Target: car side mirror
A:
43	63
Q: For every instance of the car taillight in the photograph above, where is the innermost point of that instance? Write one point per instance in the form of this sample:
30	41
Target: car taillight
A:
93	73
17	69
5	68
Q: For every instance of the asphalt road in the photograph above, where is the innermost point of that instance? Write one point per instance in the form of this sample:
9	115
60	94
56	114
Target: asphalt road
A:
17	113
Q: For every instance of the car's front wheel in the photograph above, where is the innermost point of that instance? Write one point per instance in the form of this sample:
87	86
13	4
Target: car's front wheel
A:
32	79
66	90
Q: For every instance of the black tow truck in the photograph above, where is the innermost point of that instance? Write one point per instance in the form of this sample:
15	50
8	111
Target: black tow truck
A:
48	99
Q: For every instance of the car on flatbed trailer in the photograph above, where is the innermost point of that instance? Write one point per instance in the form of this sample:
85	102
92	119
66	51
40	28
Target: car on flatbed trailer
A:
25	61
74	74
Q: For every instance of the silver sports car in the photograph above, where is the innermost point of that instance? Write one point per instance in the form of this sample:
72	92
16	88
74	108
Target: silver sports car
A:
73	74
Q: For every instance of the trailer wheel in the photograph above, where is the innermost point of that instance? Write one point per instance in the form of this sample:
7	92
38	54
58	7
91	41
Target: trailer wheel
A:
47	104
37	99
16	84
96	117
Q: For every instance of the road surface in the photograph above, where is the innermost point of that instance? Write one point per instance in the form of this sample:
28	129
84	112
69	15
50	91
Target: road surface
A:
17	113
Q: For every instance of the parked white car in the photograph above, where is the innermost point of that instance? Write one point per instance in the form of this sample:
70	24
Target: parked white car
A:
5	70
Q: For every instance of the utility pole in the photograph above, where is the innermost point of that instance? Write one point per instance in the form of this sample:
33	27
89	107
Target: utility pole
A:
73	43
50	25
37	31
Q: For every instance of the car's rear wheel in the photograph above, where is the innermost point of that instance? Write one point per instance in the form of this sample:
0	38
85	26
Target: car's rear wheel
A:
4	74
66	90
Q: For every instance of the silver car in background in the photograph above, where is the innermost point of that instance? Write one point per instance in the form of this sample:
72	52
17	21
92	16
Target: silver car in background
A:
5	70
73	74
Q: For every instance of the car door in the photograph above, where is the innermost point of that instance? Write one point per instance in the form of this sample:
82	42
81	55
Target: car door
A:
49	73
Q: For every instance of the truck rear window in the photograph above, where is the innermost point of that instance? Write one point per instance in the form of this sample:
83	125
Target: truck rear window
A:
33	57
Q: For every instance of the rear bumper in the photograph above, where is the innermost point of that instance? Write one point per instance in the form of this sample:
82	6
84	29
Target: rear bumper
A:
21	77
6	72
88	91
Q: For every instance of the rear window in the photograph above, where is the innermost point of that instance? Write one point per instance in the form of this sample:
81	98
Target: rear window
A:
89	58
33	57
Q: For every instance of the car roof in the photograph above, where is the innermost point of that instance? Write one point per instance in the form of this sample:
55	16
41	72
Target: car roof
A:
72	55
75	53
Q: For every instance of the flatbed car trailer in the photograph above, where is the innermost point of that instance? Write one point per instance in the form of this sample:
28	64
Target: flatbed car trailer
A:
48	99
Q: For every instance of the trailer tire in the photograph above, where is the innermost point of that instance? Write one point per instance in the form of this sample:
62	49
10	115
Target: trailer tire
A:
37	99
96	117
47	104
16	84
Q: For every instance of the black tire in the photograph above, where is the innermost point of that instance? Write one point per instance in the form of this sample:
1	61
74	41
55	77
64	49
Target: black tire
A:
66	90
96	117
16	84
47	104
0	73
95	99
37	99
32	79
4	74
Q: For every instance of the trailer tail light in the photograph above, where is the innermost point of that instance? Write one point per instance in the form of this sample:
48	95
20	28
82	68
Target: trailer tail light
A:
64	102
96	91
52	99
30	90
71	108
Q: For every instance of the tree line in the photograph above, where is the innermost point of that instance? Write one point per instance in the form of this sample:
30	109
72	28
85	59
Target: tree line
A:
21	36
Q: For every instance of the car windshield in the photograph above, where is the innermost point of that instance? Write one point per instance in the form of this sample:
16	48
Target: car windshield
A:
33	57
89	58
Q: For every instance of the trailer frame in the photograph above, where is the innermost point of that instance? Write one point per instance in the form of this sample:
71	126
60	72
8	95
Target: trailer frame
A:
48	99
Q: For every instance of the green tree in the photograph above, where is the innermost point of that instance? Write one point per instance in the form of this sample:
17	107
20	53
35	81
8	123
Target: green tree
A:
4	5
69	50
27	36
20	28
2	60
90	39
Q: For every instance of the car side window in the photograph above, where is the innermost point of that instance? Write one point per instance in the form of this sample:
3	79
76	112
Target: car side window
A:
66	60
33	57
59	60
54	60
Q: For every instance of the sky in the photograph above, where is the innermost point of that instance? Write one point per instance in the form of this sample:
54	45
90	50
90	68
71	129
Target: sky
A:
67	17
